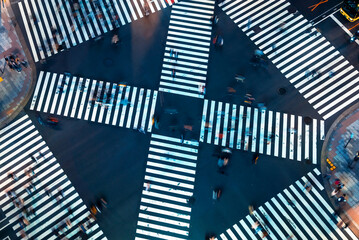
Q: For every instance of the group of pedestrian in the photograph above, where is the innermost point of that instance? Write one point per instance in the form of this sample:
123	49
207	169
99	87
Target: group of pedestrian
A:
14	63
337	192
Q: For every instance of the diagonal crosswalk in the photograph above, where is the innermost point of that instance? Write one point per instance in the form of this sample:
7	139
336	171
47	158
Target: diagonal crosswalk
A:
53	25
187	48
294	213
93	100
169	182
258	130
319	72
22	149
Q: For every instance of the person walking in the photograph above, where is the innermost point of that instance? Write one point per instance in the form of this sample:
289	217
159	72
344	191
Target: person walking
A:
354	161
342	198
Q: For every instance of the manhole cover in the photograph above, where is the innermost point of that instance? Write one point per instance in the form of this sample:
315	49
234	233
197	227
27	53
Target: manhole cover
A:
282	91
308	120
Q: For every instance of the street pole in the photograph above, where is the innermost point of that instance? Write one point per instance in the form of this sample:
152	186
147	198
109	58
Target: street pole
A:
351	136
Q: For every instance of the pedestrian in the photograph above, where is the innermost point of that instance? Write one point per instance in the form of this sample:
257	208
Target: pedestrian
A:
307	186
354	161
216	193
115	40
255	158
251	209
342	198
291	203
148	186
13	176
214	19
335	192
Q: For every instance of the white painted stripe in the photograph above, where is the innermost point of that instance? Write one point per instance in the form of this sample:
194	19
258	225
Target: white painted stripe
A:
172	160
163	220
341	106
313	213
178	147
247	129
138	109
204	120
284	135
230	233
306	154
299	219
112	98
77	96
98	31
63	94
240	233
163	196
314	144
133	98
254	133
299	141
152	111
103	103
169	182
164	212
225	125
157	235
124	107
37	88
269	132
279	219
249	232
211	123
277	126
223	236
176	140
57	93
170	175
315	180
43	92
240	126
32	46
180	92
50	92
292	133
261	135
145	109
322	130
172	153
89	100
31	20
271	222
289	219
98	94
165	204
169	190
69	96
84	93
233	125
171	167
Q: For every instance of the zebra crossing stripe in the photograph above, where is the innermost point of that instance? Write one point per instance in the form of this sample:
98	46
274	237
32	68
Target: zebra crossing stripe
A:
218	125
48	173
298	49
247	130
69	98
204	120
276	141
169	189
249	232
240	126
284	135
233	123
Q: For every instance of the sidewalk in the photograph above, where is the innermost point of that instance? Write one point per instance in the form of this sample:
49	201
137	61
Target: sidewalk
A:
334	149
15	87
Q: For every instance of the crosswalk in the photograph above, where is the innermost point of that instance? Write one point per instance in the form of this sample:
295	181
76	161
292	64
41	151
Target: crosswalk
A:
319	72
185	62
294	213
22	149
93	100
259	130
54	23
165	208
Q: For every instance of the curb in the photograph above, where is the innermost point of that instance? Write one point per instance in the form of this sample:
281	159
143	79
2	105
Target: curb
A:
32	65
324	168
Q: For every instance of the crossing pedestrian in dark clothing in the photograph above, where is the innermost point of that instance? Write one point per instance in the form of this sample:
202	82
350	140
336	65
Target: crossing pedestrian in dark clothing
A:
354	161
13	176
342	198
